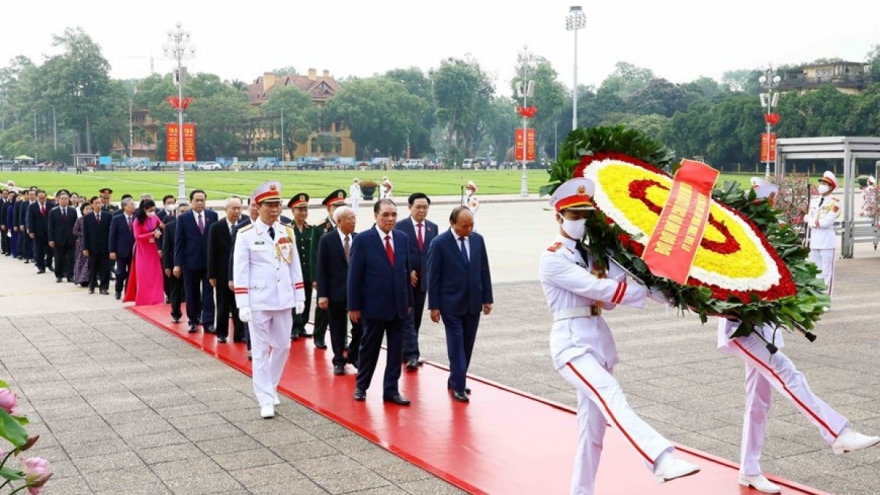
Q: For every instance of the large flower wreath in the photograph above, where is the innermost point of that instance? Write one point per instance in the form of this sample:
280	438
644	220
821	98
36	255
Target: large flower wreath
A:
748	266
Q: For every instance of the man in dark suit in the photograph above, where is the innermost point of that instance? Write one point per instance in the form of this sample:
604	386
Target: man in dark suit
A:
168	206
190	261
219	248
382	297
96	244
38	230
175	286
459	289
4	239
61	239
334	253
122	243
420	232
302	231
331	202
25	243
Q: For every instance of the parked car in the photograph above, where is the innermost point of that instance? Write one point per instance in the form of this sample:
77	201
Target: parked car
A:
210	166
310	164
413	165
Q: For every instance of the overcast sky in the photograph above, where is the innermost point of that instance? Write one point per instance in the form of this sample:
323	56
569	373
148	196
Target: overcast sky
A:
679	40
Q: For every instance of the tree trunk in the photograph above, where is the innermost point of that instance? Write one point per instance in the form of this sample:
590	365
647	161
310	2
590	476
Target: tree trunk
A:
88	136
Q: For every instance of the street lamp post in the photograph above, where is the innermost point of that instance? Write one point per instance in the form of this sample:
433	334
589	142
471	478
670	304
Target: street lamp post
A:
575	20
525	89
282	134
179	48
769	100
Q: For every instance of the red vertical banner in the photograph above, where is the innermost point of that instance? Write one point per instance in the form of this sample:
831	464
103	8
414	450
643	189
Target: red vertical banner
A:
172	143
771	147
519	143
189	142
530	145
673	245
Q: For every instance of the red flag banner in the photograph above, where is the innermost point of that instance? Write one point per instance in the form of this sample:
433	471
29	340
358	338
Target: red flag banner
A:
172	143
530	145
519	143
189	142
772	147
671	250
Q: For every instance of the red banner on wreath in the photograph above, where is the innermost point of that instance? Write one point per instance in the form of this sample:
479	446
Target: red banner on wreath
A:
671	250
772	147
189	142
172	143
529	144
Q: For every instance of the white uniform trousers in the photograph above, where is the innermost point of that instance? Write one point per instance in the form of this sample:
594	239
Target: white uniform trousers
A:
355	204
270	346
601	402
763	374
824	259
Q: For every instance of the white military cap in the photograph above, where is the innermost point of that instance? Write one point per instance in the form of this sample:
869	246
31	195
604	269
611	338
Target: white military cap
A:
575	194
269	191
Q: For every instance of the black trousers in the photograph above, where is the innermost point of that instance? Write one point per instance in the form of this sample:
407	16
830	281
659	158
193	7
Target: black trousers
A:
411	337
22	235
5	244
225	306
64	261
299	321
99	267
199	297
123	268
321	322
167	282
337	315
27	246
371	346
175	296
41	254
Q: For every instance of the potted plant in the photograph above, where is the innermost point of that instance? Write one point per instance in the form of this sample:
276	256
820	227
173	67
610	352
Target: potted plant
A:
368	188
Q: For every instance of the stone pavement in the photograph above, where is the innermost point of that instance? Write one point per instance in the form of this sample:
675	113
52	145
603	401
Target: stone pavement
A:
124	407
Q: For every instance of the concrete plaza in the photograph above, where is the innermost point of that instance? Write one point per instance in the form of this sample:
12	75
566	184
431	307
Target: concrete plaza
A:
124	407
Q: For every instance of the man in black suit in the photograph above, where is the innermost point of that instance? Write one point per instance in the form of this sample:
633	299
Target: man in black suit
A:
96	244
175	286
219	247
25	243
4	239
61	239
420	232
382	297
122	243
191	262
168	206
331	202
38	230
334	252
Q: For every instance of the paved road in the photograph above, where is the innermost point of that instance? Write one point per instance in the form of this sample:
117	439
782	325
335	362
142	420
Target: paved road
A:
126	408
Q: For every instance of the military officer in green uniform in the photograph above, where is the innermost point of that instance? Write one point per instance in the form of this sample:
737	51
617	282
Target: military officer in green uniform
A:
302	231
331	202
106	205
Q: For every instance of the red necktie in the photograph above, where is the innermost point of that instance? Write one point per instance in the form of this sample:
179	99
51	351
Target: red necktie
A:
201	225
388	250
43	209
419	236
129	224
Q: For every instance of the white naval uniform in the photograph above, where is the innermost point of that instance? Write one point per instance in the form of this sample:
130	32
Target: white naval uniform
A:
823	240
270	287
354	192
473	204
764	373
584	353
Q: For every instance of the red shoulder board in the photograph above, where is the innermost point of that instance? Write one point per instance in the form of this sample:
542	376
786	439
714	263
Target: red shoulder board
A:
555	247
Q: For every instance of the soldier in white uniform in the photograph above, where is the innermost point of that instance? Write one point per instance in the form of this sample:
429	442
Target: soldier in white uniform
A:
583	349
354	192
387	186
824	211
471	201
268	282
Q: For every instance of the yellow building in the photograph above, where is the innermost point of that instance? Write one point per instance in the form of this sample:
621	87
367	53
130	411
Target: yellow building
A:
330	141
847	77
143	136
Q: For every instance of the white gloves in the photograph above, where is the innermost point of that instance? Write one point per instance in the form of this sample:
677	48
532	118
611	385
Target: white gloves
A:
300	307
244	314
658	296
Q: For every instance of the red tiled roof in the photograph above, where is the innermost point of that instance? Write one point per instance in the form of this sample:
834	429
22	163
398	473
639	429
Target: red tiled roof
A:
320	88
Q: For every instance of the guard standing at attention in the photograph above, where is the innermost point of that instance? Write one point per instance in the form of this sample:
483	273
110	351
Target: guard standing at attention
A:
299	207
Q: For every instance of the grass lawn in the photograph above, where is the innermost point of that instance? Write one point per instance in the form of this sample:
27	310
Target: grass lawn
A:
318	184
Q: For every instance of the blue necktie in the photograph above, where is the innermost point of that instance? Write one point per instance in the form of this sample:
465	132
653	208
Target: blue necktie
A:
464	255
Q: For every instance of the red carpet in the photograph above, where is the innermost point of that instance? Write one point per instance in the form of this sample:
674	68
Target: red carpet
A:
504	442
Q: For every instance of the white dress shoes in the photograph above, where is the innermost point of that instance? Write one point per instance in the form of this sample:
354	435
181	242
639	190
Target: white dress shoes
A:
277	400
267	411
850	441
760	483
668	467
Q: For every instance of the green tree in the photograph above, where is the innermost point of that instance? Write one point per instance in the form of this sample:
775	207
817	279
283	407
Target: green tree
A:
461	91
418	84
659	97
301	116
627	79
873	61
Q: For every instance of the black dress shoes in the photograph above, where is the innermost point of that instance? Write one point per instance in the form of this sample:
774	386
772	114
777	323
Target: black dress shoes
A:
210	330
192	329
338	369
118	296
41	271
105	292
359	394
57	280
466	389
320	345
221	340
397	399
175	320
305	335
460	397
412	364
167	300
294	337
91	291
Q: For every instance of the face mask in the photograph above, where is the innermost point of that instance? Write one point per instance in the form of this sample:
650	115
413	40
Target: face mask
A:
824	188
151	214
171	207
574	228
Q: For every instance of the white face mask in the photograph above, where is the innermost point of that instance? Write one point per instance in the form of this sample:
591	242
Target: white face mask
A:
574	228
151	214
824	188
171	207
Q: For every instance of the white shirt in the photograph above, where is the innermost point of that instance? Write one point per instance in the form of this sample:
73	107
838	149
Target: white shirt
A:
354	192
382	236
